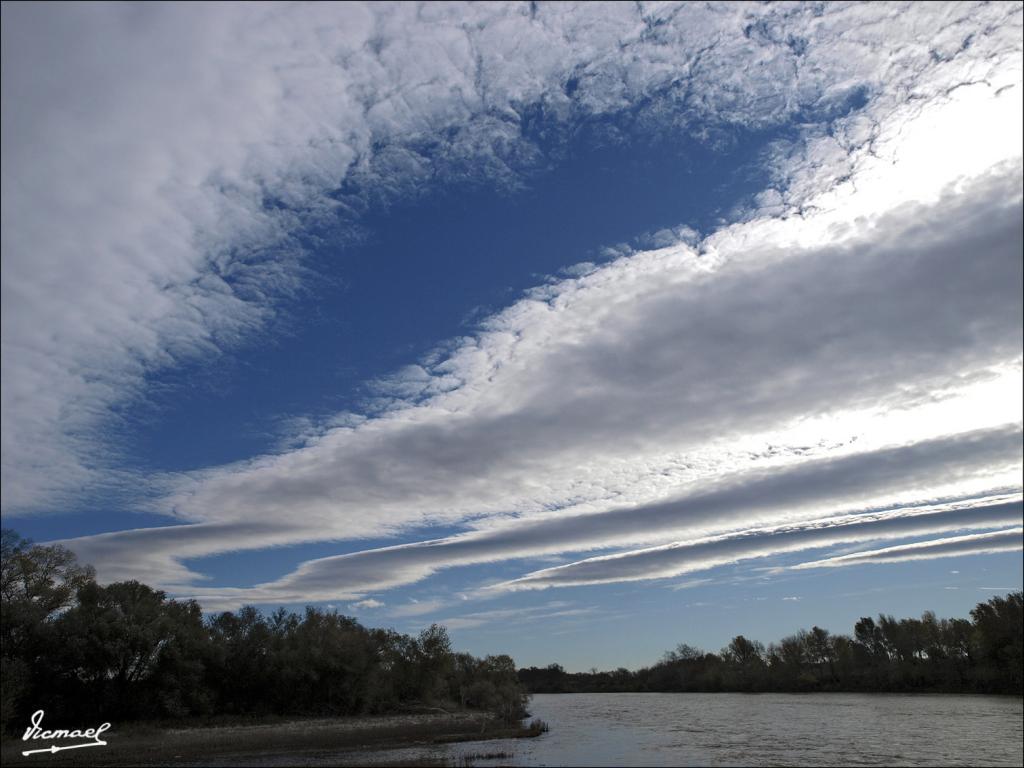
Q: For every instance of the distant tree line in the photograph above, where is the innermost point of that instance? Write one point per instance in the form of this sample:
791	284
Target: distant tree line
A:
124	651
981	655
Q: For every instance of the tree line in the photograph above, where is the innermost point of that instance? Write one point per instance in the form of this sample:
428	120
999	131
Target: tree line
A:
981	655
125	651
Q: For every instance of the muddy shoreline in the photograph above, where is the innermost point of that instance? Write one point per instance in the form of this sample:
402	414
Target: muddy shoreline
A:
294	741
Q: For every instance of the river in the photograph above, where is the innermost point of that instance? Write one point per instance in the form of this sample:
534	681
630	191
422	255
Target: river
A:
755	729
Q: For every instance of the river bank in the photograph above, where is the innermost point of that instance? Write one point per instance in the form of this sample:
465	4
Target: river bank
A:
308	741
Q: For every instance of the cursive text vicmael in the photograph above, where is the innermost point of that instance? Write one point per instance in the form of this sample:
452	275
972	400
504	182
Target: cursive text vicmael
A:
35	731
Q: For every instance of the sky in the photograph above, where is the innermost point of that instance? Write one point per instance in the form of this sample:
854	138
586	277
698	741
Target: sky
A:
586	330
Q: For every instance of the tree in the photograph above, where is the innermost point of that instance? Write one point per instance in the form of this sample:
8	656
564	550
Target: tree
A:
434	663
999	637
746	661
496	688
37	583
743	652
683	652
869	637
129	651
793	650
820	651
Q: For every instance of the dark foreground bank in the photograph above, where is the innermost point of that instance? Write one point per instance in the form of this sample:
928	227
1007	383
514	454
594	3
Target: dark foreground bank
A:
308	741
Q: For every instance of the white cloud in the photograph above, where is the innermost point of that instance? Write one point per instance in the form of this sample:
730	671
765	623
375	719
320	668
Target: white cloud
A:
691	583
797	494
551	610
136	226
1009	540
367	604
605	396
417	608
700	554
999	589
841	322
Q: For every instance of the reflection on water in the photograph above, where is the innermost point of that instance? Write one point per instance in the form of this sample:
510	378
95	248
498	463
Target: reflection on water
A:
763	729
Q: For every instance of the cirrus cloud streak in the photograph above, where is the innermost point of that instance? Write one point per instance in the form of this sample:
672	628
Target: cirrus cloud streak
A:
1010	540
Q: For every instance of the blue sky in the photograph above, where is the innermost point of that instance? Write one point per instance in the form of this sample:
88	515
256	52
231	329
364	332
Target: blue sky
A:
584	330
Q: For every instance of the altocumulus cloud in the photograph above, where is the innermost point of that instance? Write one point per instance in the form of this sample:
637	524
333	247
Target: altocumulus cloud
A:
178	147
849	346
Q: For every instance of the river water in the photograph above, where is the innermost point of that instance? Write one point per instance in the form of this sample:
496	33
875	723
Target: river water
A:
763	729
